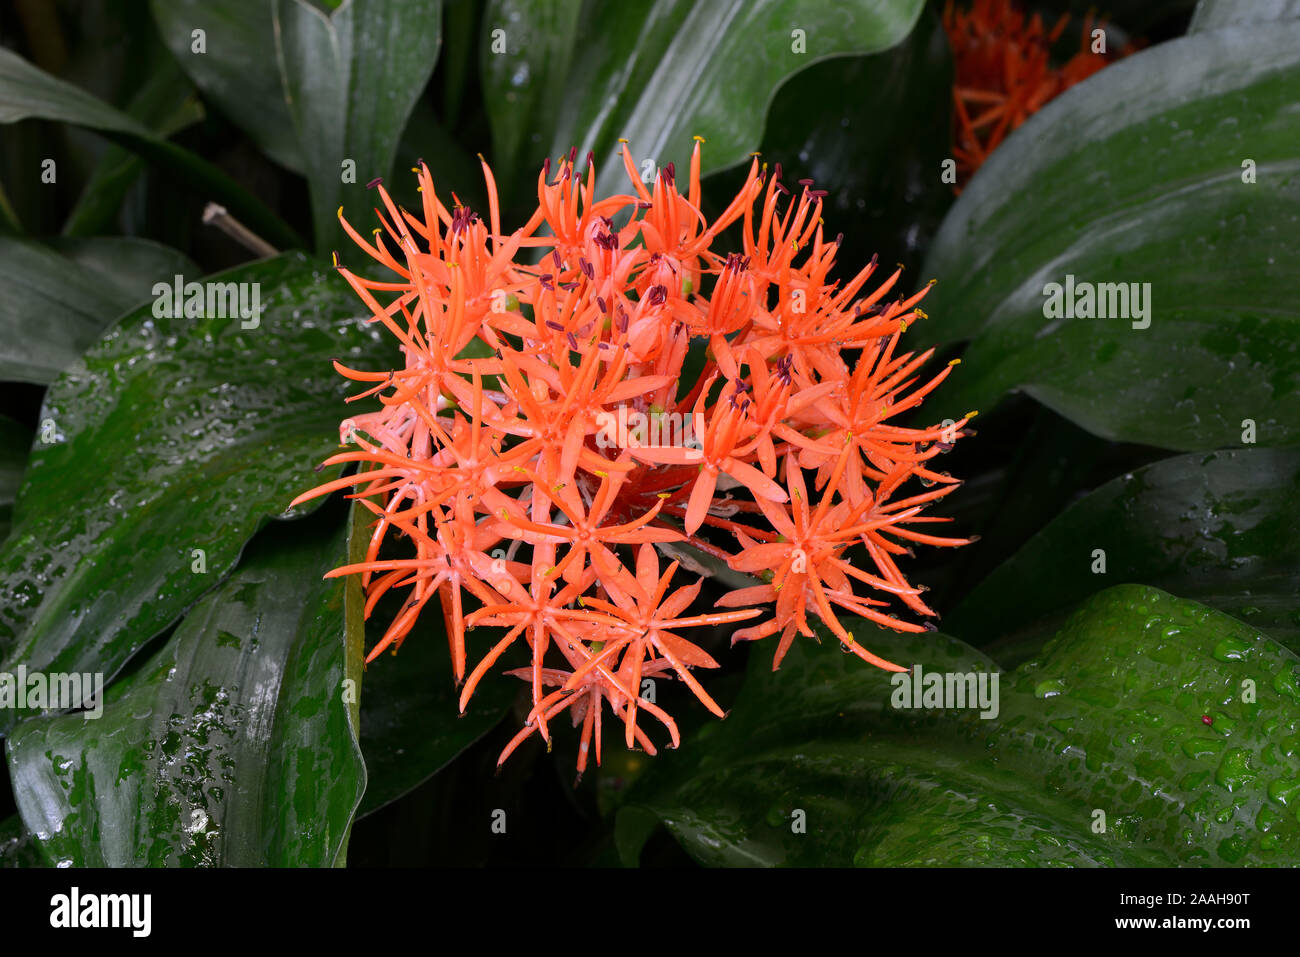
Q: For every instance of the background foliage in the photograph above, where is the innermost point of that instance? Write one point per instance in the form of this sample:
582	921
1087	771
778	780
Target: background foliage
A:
127	441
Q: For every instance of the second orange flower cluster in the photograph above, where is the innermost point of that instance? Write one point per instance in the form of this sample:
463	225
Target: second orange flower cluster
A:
492	451
1004	73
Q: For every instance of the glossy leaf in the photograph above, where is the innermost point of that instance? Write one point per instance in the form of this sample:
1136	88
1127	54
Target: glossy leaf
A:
27	92
172	435
57	298
350	79
664	71
879	174
1140	175
232	746
1109	718
1219	528
540	40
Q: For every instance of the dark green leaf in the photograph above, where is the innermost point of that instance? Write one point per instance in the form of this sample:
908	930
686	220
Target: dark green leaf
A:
167	105
411	726
1137	176
879	171
658	73
237	69
1109	719
1219	528
29	93
540	39
232	746
124	267
54	302
173	434
351	79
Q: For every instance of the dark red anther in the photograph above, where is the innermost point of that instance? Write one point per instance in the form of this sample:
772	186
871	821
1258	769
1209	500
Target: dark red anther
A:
374	182
1206	719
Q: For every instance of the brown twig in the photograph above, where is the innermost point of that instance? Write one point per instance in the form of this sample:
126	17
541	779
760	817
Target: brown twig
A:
214	214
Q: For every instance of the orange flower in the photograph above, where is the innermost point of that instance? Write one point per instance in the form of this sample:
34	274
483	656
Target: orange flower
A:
1002	61
493	454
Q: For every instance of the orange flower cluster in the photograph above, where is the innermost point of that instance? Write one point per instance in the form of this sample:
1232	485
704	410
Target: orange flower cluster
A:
1003	73
499	450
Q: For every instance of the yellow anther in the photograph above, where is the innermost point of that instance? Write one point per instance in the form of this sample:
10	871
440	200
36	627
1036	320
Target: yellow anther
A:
955	362
340	212
971	415
699	139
